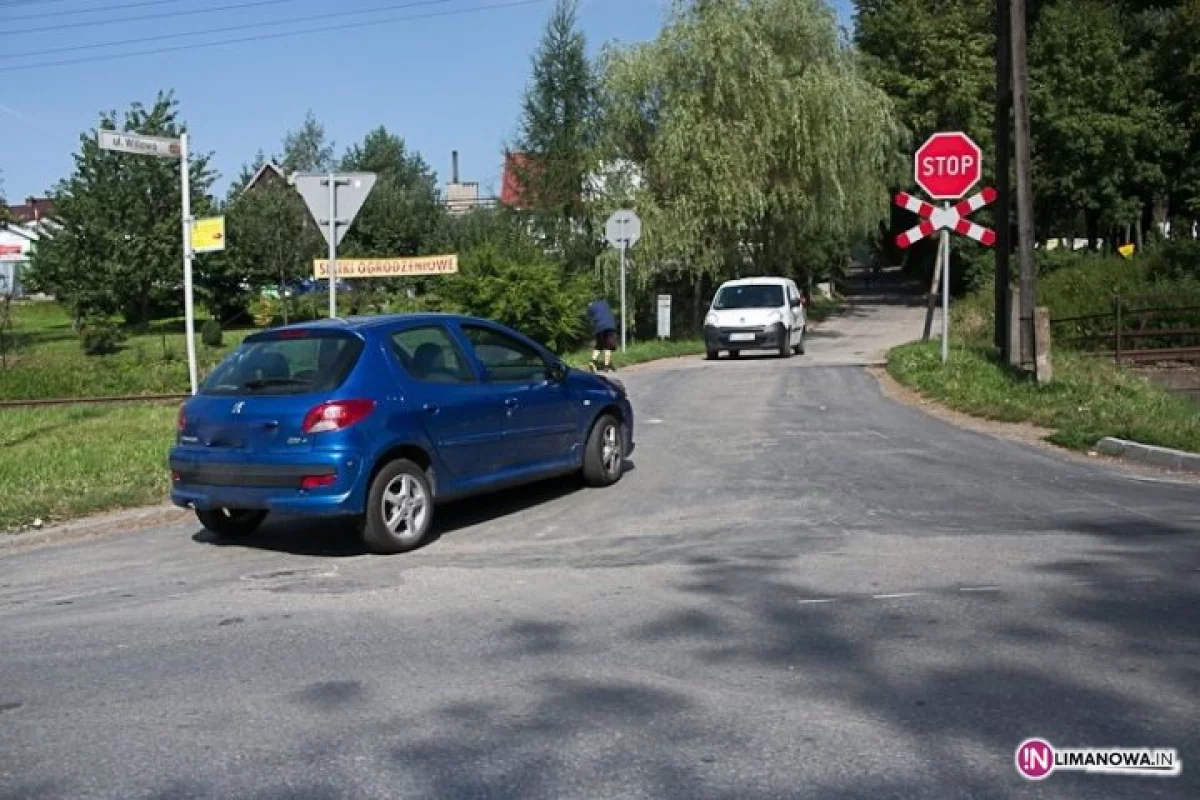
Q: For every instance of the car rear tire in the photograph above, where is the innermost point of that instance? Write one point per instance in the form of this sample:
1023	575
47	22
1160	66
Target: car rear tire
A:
711	355
231	523
604	453
399	509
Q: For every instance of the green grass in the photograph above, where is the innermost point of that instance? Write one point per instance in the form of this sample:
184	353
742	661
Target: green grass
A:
1088	399
48	362
641	352
59	463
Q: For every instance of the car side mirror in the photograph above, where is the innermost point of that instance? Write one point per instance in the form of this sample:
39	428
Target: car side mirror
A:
557	371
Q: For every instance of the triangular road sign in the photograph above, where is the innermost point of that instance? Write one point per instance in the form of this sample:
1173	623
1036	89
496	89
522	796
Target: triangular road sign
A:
352	191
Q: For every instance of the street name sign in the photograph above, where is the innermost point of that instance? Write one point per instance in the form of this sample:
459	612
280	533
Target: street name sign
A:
137	143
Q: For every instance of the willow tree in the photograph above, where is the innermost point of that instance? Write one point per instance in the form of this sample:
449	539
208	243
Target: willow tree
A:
762	148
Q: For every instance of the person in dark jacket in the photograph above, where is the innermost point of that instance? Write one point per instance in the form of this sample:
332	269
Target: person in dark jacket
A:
604	326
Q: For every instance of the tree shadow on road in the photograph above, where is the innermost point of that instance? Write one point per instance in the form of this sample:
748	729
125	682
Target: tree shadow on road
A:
732	687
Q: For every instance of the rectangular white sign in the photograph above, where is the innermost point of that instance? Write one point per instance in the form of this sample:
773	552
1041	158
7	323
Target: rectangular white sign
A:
136	143
664	316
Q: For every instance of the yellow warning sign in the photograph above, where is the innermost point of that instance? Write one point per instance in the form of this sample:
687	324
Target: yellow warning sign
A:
388	267
1126	250
208	234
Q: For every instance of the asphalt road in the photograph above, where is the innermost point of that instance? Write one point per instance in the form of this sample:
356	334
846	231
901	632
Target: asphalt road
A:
803	590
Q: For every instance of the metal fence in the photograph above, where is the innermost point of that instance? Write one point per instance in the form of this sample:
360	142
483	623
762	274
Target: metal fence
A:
1141	329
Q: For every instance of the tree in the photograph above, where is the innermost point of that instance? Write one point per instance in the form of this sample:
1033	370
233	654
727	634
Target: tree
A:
272	242
558	133
1101	131
305	150
402	213
5	216
120	248
756	135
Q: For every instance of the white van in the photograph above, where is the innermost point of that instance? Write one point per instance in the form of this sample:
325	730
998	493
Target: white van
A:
756	314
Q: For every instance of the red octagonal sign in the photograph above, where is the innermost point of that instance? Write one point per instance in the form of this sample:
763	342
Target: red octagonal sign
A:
948	165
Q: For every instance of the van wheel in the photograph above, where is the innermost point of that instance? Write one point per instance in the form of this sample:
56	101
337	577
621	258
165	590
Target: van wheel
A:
785	343
399	509
232	523
711	355
604	453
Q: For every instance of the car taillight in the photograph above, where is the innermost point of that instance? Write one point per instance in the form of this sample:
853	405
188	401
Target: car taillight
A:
181	420
336	415
317	481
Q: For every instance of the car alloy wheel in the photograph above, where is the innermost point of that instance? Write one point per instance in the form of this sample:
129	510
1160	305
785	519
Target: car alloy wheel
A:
610	450
405	507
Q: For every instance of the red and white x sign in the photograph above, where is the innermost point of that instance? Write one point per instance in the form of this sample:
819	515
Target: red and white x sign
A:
935	219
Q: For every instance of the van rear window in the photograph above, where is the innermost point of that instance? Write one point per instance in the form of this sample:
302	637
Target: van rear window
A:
286	362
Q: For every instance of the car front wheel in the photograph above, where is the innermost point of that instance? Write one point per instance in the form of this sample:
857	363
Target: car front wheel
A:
604	453
399	509
232	523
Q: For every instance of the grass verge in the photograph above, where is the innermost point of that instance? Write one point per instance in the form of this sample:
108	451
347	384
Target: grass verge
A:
1088	399
61	463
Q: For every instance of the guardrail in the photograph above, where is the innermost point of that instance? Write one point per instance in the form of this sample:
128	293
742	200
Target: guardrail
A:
1134	332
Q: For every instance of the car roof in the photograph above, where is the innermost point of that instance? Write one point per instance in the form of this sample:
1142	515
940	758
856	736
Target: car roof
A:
362	323
769	280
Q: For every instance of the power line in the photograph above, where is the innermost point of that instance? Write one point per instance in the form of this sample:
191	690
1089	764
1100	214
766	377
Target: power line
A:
162	37
270	36
144	17
140	4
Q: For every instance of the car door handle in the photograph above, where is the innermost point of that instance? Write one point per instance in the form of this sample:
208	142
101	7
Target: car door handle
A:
511	402
430	408
271	424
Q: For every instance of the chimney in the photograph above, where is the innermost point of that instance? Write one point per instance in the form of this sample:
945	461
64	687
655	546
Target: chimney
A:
454	166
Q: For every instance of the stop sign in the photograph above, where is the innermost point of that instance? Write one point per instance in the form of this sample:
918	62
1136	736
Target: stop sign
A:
947	165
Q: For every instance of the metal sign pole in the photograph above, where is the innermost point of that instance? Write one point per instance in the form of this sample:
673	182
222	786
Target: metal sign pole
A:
623	246
945	254
189	313
332	245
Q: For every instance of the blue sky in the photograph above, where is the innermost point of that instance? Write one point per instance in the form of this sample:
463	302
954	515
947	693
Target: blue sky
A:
442	83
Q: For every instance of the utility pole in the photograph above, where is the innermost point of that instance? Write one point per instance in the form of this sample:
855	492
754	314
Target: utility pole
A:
1003	130
1024	185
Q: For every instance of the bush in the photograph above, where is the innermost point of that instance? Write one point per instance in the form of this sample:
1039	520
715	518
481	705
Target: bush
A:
210	333
1175	260
521	288
99	338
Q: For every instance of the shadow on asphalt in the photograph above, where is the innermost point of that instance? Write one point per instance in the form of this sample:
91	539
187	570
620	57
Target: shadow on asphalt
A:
957	692
337	537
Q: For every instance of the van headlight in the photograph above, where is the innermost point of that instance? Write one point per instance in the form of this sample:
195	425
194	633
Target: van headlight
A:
774	317
711	319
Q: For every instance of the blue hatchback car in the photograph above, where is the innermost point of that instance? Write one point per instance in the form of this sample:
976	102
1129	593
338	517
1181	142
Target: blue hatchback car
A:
381	417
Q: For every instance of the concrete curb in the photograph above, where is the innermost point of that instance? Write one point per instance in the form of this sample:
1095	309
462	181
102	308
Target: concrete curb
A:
1149	454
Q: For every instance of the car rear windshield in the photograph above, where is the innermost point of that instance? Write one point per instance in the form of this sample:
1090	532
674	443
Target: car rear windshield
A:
287	362
750	295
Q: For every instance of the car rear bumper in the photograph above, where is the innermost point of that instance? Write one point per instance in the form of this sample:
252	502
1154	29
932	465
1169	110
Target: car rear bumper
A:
203	482
767	338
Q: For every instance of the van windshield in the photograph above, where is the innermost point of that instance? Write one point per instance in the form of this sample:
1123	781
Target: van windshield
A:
749	295
287	362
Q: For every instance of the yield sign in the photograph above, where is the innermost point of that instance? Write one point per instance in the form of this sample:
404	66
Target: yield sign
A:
351	190
953	217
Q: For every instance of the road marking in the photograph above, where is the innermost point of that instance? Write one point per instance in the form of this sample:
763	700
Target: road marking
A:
979	588
654	422
814	600
895	595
